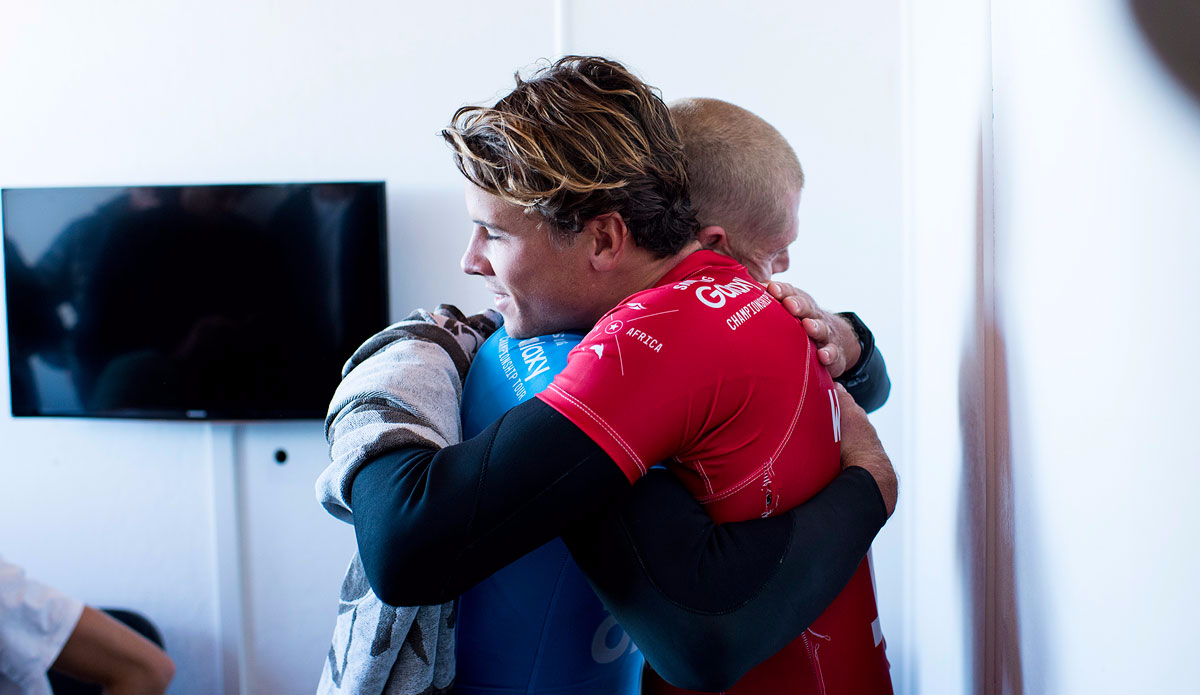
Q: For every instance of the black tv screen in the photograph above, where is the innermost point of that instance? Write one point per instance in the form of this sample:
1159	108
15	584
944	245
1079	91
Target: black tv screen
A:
231	302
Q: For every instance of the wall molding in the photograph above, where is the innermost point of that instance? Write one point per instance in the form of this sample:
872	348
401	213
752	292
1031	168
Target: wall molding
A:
228	560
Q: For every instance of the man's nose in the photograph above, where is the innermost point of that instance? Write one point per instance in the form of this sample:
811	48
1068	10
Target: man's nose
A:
473	261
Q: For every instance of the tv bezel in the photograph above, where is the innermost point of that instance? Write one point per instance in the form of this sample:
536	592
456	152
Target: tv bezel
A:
198	415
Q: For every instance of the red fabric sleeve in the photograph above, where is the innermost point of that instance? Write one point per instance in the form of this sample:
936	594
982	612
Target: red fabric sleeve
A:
625	386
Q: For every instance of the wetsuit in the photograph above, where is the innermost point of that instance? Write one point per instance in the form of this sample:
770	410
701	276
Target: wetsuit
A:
535	627
431	523
745	430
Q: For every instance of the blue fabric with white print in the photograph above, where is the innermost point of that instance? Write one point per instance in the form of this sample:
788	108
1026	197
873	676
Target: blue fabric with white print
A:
535	626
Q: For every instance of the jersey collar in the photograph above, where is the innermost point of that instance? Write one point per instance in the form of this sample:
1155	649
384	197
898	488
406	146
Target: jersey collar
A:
697	262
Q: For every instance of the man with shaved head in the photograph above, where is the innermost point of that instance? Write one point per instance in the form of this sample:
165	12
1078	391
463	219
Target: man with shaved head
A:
745	181
743	177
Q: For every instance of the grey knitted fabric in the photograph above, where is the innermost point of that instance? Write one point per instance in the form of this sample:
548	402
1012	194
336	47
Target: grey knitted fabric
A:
401	387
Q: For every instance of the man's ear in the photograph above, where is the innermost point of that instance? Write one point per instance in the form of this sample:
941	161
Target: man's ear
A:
714	238
609	238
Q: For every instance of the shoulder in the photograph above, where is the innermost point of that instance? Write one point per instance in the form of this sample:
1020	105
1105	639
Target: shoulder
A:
716	300
695	290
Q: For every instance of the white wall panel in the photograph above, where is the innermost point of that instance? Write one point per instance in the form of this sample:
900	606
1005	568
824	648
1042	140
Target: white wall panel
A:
288	542
1097	173
947	317
118	514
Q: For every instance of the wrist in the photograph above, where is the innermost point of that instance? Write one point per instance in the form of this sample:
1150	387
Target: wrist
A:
881	471
848	340
865	342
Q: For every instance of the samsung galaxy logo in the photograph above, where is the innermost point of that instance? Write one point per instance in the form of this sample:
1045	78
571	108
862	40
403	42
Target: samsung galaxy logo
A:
715	296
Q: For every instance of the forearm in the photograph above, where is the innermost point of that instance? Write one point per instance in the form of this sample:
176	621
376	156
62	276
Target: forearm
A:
707	602
102	650
430	524
399	389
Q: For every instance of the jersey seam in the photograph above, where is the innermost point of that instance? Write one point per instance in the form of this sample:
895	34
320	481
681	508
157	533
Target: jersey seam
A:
745	482
800	406
612	433
736	487
704	476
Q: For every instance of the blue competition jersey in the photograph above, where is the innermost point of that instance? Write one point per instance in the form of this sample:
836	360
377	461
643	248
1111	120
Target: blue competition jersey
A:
534	626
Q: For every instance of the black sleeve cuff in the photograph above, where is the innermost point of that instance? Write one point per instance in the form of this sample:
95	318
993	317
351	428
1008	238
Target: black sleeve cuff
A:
867	381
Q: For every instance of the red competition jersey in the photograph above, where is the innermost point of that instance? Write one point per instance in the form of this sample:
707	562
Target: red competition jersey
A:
701	372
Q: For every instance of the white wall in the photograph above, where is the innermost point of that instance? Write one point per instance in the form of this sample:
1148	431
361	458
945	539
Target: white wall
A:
1024	256
1053	167
123	513
946	313
1097	207
195	524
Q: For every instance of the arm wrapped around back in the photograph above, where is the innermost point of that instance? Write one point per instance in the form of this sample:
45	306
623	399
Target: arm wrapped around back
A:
706	602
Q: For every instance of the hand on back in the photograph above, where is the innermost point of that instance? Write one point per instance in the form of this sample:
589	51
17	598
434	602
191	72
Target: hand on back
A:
861	447
837	345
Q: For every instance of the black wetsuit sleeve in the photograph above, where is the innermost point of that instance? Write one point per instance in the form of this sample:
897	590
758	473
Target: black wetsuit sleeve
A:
867	381
707	602
432	523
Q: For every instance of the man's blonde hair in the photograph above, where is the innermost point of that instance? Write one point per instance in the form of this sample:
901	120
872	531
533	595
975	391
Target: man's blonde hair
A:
580	138
740	169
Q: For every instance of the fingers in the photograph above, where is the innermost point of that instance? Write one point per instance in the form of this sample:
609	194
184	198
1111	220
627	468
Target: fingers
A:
829	350
861	447
857	432
845	400
817	324
853	417
802	306
817	330
798	302
779	290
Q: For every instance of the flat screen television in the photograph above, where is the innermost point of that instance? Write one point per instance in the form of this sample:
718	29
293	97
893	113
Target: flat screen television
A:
227	302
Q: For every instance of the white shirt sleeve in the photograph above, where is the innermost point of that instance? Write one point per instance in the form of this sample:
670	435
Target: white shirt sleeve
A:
35	622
